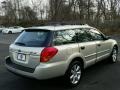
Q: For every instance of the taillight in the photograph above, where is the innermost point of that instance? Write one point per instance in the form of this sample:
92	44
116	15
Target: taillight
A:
48	53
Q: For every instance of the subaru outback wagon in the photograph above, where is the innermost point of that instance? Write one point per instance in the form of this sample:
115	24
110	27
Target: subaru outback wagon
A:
52	51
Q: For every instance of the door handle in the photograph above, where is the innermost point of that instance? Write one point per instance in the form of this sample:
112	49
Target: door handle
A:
82	47
99	45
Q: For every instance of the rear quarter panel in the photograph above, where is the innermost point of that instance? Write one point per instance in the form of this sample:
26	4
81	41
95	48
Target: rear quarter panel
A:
66	53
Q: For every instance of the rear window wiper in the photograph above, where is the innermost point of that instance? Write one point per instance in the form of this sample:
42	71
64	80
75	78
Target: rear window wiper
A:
21	44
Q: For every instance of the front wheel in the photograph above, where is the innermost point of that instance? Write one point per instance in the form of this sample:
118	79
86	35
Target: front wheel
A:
73	74
113	56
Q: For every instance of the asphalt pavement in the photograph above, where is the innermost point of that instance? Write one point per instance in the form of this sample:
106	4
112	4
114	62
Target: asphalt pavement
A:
102	76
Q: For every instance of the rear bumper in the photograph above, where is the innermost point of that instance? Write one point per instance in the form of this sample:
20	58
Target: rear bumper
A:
42	71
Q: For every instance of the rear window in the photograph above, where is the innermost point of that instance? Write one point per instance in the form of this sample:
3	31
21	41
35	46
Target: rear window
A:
33	38
64	37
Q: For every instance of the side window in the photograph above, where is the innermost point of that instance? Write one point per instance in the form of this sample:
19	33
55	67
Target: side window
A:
96	34
64	37
83	36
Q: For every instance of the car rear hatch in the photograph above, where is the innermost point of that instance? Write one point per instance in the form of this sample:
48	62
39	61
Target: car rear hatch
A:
27	48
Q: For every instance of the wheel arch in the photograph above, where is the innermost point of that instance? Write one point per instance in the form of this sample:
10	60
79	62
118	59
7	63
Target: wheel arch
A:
116	46
76	58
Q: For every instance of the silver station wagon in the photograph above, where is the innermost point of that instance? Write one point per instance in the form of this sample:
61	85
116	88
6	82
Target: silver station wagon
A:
51	51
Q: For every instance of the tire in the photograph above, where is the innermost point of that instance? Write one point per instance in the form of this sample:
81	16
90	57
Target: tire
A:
113	56
10	32
73	75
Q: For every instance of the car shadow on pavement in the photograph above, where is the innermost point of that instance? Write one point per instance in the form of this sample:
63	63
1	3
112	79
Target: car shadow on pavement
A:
91	77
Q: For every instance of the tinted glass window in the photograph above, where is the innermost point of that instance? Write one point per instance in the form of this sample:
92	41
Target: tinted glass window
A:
34	38
96	34
64	37
83	36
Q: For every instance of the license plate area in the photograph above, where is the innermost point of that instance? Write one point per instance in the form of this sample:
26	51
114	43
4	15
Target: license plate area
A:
21	57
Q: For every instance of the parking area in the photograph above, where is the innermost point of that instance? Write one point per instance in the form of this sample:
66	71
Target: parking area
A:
8	38
102	76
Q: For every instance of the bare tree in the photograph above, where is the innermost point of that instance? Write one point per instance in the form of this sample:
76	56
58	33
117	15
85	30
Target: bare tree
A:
36	6
28	14
56	7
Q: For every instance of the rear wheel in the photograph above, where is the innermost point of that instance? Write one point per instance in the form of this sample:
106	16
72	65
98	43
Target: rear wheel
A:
113	57
10	32
73	74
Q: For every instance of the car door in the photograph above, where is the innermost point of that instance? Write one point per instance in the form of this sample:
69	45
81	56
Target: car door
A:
102	45
15	29
87	46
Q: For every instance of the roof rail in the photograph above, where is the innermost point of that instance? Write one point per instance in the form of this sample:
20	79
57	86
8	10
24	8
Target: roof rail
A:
57	23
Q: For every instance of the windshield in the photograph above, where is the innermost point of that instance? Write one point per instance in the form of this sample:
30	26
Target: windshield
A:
34	38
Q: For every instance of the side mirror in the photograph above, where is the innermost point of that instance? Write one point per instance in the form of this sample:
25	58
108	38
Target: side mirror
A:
107	37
